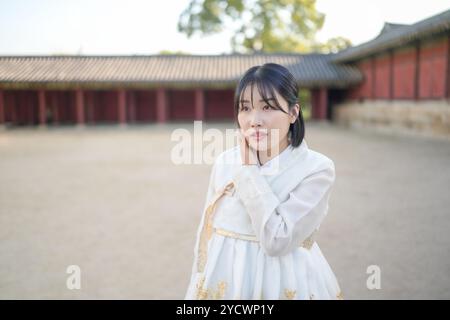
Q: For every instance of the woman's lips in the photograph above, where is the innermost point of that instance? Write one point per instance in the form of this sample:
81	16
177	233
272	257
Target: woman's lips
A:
258	136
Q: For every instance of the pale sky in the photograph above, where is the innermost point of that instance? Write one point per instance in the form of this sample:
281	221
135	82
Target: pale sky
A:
113	27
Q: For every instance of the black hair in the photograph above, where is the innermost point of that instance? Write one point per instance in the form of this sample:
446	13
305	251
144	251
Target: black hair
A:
270	77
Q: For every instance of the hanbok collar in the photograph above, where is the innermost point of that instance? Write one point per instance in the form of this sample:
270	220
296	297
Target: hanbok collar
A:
283	160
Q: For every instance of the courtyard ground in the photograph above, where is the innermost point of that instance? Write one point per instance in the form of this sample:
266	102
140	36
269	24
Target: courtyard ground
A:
110	200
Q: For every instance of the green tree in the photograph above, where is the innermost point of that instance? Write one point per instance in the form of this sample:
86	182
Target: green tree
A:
257	25
169	52
332	45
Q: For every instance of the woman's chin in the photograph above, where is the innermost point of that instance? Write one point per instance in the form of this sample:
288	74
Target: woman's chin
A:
258	145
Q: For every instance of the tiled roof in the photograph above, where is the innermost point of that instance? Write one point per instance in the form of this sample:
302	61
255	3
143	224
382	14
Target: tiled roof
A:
310	70
393	36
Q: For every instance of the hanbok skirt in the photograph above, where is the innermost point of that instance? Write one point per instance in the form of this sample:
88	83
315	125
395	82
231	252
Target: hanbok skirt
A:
240	269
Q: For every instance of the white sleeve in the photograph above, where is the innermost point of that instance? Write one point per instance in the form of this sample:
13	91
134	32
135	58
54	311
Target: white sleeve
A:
282	226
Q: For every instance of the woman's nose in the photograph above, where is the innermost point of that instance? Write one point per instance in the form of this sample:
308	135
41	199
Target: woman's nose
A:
256	120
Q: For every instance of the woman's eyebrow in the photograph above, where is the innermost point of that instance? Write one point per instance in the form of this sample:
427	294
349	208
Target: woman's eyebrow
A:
262	100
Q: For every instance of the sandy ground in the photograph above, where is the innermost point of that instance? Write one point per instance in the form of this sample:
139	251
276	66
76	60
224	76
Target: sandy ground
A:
109	200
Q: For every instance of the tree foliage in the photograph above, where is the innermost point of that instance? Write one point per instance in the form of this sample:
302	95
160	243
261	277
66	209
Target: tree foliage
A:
258	25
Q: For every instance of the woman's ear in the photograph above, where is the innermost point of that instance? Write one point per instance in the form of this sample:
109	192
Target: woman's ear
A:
294	112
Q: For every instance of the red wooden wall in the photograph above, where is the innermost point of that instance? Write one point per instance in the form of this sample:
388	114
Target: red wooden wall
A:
219	104
433	69
181	104
412	72
382	73
404	73
141	106
20	107
60	106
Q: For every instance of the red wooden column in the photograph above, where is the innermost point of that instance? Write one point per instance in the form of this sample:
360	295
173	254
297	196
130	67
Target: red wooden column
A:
14	109
417	71
319	101
374	82
132	106
161	105
323	103
391	75
122	106
199	104
42	108
313	103
79	104
90	116
2	108
54	107
314	100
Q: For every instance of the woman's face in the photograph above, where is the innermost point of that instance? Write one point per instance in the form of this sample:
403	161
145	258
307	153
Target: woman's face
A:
265	127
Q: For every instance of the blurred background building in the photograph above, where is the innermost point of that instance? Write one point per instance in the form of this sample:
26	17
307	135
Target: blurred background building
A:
400	79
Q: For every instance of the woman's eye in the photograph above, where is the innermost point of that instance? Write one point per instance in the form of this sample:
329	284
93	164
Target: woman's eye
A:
244	108
266	107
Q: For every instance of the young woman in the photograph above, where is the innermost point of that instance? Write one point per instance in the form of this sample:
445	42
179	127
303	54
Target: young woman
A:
266	199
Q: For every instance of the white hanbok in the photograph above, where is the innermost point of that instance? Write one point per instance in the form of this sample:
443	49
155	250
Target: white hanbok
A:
256	235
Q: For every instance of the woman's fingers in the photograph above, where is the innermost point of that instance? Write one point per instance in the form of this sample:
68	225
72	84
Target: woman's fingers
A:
248	155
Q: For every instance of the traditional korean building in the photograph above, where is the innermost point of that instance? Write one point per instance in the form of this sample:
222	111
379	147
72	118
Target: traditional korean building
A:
406	72
160	88
399	79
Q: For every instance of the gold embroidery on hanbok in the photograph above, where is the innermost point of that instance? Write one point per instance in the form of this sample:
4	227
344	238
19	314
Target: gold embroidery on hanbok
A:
201	293
289	294
307	243
207	293
340	296
207	228
220	293
234	235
